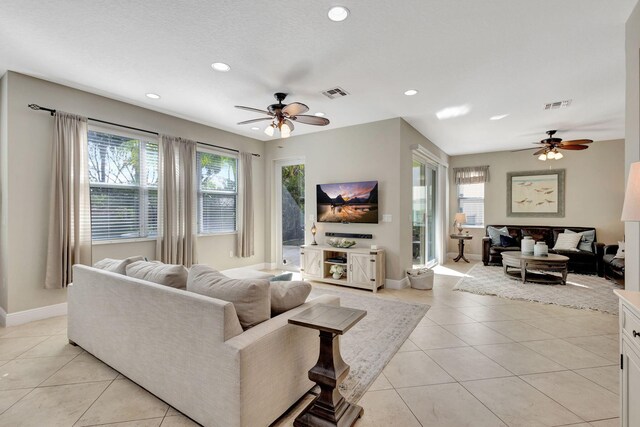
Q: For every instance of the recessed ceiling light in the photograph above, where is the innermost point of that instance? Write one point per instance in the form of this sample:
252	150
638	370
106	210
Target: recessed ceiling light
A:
319	114
153	96
220	66
451	112
498	117
255	128
338	13
411	92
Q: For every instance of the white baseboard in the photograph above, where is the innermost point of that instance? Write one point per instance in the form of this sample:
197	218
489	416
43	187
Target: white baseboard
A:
471	257
397	284
26	316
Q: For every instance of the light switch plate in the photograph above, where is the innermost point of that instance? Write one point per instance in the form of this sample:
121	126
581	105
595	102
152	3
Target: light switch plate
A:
386	218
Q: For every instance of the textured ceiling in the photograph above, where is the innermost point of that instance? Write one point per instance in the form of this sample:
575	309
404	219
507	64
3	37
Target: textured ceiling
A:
495	56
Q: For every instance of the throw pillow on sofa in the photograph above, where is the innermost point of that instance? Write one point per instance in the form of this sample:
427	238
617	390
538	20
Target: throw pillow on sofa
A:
282	277
507	241
495	234
567	242
620	252
587	239
288	295
117	265
157	272
250	297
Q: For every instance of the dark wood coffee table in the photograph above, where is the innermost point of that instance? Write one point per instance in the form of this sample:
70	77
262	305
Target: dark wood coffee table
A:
543	264
330	408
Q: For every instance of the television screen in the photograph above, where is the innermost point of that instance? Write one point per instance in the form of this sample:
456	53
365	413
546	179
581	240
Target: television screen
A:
348	202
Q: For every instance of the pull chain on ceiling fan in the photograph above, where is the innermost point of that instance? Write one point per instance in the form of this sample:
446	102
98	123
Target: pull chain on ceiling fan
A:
282	116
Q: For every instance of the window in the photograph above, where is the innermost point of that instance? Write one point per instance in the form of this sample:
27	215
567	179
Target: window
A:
471	202
217	193
123	177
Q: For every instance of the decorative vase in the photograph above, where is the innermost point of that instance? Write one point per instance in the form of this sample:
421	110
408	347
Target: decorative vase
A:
337	275
541	249
527	244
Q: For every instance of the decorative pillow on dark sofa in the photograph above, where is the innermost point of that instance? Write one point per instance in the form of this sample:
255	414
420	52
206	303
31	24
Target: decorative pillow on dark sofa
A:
495	234
507	241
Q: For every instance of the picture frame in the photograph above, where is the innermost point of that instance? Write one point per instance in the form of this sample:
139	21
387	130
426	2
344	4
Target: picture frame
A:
536	194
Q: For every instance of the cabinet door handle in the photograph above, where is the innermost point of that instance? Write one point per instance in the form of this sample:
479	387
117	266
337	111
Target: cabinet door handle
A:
636	334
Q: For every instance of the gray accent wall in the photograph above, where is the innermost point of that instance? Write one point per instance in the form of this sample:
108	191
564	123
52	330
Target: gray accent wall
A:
25	157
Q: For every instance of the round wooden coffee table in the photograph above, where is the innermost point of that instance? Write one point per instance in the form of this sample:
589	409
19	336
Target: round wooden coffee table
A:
543	265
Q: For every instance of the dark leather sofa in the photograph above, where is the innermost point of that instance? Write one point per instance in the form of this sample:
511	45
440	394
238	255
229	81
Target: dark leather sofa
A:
581	262
613	267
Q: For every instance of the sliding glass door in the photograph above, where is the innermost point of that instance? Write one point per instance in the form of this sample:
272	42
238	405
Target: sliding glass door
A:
424	212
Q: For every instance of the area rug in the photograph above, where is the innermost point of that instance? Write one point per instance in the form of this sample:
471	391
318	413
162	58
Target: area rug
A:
371	343
581	291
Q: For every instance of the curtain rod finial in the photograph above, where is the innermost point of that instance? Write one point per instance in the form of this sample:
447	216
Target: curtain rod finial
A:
34	106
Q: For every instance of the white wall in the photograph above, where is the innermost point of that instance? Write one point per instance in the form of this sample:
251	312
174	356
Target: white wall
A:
25	176
594	190
372	151
4	138
632	145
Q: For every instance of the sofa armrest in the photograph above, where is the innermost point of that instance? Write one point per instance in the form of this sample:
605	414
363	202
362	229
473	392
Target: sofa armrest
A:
274	360
599	251
610	249
486	246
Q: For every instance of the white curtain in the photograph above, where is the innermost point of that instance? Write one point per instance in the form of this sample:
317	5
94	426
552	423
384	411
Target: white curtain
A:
177	234
69	204
471	175
245	241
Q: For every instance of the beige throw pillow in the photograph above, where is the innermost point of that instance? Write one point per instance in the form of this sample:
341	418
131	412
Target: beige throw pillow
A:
620	252
288	295
250	297
163	274
117	265
567	242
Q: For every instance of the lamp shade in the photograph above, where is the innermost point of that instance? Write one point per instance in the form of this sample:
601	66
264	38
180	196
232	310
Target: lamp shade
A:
631	208
460	218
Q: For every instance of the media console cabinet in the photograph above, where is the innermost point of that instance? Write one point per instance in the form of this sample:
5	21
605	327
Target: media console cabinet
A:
364	268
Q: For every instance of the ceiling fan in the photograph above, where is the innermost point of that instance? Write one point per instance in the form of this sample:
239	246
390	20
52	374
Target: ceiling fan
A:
551	145
282	116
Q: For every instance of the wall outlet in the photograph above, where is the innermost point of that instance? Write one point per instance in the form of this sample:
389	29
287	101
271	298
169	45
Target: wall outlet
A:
230	254
387	218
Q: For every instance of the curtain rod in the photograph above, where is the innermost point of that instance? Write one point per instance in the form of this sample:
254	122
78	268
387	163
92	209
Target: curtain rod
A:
36	107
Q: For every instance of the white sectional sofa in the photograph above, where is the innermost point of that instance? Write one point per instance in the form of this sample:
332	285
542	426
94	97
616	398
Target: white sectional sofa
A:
190	350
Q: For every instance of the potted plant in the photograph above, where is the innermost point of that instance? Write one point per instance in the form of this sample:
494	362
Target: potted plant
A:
337	270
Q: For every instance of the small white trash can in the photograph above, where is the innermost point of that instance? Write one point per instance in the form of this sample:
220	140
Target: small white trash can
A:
421	278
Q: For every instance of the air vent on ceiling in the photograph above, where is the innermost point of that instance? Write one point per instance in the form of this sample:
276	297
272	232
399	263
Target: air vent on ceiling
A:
336	92
557	105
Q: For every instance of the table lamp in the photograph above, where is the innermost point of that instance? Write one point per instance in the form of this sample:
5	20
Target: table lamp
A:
314	230
631	207
459	220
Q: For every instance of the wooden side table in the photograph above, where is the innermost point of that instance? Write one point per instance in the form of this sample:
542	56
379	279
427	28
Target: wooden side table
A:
330	408
461	238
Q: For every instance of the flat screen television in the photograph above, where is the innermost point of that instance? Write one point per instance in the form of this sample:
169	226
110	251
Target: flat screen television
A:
355	202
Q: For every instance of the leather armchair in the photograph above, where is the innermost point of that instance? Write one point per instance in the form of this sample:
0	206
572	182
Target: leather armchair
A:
613	268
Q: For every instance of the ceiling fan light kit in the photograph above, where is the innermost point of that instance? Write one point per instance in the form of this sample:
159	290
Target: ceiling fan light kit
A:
282	116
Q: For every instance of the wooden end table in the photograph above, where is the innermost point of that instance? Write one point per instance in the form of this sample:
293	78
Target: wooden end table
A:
545	264
461	238
330	408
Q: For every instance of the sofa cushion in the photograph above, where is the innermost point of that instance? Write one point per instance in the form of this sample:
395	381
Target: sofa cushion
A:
616	263
496	250
288	295
246	273
576	255
250	297
539	234
495	234
508	241
117	265
567	241
587	239
157	272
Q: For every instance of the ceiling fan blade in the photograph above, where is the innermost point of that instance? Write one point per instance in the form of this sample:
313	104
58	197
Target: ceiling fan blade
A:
290	124
576	142
311	120
573	147
255	110
246	122
540	151
295	108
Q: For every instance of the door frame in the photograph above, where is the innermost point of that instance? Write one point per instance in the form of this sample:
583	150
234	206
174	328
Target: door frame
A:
277	169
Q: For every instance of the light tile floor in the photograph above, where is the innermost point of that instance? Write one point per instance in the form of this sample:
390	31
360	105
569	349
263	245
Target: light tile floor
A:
472	361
